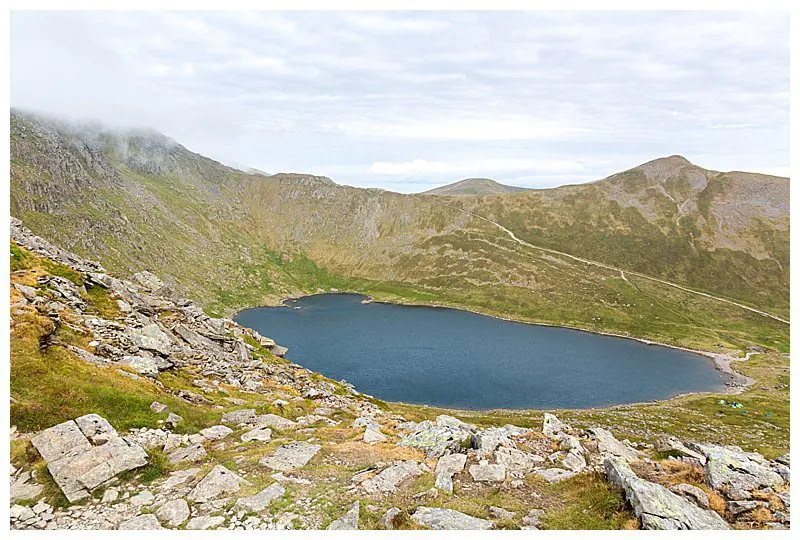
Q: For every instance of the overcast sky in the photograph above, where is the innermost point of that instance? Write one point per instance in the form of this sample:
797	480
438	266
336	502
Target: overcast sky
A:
408	101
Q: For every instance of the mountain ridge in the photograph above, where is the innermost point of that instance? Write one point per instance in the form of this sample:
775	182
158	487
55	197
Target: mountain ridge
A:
473	186
231	240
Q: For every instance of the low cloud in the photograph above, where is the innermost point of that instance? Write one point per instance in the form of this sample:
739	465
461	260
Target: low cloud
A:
405	99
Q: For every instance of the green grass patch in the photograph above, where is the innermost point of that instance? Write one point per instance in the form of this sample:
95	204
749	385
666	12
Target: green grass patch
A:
587	503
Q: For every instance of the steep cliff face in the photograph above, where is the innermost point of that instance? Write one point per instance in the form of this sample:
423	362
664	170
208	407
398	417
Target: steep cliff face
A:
229	239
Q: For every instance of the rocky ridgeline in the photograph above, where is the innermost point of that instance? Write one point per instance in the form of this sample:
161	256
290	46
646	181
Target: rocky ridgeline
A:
87	457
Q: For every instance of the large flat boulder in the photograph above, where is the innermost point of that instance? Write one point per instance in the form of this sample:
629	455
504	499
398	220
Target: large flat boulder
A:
731	470
291	456
610	446
218	481
151	337
389	479
444	519
656	506
76	464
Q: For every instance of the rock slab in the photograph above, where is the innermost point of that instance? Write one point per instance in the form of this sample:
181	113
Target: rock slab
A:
655	505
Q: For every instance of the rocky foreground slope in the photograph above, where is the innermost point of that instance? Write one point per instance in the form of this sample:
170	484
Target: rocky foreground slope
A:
235	437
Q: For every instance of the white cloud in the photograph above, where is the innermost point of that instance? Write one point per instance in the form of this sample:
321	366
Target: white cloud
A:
485	166
462	129
403	99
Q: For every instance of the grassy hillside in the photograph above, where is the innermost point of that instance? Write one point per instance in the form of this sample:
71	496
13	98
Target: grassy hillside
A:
228	239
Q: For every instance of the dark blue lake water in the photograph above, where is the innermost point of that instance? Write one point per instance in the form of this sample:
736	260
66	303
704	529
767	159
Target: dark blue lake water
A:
457	359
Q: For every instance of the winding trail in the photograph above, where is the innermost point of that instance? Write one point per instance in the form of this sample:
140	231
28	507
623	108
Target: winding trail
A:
614	268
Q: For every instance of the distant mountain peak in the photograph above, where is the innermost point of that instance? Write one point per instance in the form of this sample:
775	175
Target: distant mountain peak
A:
473	186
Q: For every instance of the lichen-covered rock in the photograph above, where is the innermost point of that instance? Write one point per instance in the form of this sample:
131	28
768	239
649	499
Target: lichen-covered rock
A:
730	469
274	421
517	462
220	480
194	452
242	416
446	467
261	434
259	501
655	505
141	364
554	474
202	523
388	480
447	435
151	337
609	445
446	519
487	472
372	436
693	493
173	513
387	521
216	433
76	465
552	426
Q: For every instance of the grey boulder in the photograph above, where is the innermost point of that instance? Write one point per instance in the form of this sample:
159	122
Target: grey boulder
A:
444	519
655	505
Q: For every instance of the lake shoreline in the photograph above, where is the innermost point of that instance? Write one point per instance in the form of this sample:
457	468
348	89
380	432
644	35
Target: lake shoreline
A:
736	383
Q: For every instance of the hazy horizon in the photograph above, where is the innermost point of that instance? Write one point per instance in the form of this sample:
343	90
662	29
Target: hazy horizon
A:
411	101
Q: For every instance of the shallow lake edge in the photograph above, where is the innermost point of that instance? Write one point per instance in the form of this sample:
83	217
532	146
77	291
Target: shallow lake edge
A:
736	383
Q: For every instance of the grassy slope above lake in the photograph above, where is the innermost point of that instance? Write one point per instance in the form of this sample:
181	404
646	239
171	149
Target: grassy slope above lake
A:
227	239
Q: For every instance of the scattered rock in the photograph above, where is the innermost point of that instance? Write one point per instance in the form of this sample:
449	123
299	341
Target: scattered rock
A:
143	498
487	472
202	523
262	434
517	462
554	475
446	467
274	421
730	469
446	519
216	433
242	416
259	501
372	436
158	407
552	426
195	452
220	480
144	522
388	480
609	445
501	513
173	513
173	419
